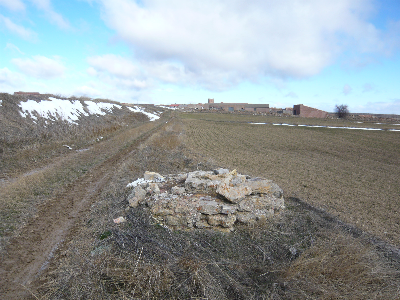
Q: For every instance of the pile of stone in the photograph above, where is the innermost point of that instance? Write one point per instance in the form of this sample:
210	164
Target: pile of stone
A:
206	199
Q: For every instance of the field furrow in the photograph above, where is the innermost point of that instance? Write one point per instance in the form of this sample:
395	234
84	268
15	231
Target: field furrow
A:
353	174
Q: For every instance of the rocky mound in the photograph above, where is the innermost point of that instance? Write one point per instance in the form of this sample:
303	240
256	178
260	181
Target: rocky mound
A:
206	199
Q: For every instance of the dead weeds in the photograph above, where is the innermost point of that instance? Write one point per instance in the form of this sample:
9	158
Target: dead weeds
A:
305	253
341	267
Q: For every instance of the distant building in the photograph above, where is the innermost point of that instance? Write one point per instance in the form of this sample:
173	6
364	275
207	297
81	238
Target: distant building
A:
308	112
236	106
257	107
26	93
287	111
211	105
194	106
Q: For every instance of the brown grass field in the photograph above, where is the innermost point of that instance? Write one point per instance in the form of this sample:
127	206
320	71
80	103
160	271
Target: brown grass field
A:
352	174
337	239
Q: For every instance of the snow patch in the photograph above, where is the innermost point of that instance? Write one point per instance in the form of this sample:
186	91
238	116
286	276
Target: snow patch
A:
151	116
54	109
71	110
99	108
331	127
140	181
167	107
137	182
68	110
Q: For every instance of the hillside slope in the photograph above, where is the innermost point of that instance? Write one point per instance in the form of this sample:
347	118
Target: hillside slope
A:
40	133
28	121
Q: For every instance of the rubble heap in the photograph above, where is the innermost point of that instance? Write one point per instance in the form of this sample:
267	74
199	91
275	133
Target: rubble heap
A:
206	199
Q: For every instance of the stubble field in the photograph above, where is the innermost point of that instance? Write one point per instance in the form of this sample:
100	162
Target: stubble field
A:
352	174
339	247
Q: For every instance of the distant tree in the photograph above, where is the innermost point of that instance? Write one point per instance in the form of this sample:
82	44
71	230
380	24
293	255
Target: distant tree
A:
341	111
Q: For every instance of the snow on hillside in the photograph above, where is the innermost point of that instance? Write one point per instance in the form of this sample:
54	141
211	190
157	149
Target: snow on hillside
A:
151	116
71	110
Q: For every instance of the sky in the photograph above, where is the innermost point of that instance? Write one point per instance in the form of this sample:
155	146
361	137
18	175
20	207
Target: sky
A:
318	53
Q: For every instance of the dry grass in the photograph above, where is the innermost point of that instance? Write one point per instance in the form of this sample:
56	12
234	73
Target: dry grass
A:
352	174
52	167
342	268
24	144
302	254
34	161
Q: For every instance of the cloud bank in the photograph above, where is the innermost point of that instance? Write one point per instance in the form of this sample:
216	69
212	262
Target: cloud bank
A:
219	43
21	31
10	80
40	67
54	17
14	5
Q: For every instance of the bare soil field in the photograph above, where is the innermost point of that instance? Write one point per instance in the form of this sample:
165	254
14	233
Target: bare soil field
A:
352	174
335	240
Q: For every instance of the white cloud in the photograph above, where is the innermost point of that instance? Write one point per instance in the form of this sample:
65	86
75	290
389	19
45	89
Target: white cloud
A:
115	82
13	48
54	17
40	67
15	5
24	33
347	89
119	71
91	71
10	80
140	74
113	64
219	43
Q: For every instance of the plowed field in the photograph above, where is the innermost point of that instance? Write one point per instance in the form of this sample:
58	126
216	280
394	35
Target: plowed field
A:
352	174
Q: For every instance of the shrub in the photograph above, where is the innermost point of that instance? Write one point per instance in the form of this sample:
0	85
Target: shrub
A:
341	111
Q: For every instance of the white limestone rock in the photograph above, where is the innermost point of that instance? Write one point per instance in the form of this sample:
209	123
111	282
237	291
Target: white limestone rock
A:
207	199
208	207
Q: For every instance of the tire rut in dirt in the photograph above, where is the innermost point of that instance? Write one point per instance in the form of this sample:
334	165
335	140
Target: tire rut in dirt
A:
30	253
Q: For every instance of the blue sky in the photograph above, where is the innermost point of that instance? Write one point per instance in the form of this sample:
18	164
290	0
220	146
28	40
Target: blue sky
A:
314	52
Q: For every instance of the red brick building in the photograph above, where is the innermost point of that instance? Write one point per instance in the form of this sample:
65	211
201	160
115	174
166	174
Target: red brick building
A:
308	112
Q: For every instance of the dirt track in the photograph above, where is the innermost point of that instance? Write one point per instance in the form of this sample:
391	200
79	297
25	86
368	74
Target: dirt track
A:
28	254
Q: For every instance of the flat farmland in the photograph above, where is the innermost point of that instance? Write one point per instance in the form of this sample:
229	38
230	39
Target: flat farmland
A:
352	174
73	249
